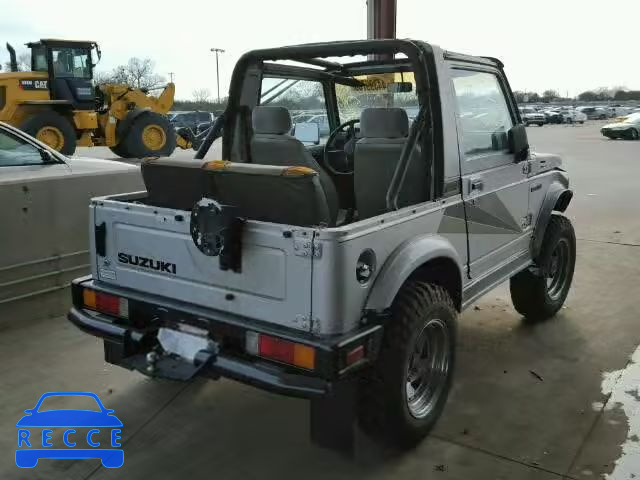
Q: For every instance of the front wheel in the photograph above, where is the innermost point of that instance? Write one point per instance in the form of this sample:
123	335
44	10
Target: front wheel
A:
404	393
539	292
149	135
541	124
633	134
53	130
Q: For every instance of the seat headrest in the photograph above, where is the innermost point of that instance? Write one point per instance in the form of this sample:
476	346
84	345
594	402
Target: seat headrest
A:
271	120
384	123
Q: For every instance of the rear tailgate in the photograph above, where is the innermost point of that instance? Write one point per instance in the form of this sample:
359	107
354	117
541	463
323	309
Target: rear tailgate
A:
150	250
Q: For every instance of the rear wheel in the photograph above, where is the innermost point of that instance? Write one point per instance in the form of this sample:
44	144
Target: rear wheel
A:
539	292
52	129
404	393
541	124
633	134
149	135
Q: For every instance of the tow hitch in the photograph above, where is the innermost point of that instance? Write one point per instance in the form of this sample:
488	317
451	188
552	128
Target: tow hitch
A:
179	355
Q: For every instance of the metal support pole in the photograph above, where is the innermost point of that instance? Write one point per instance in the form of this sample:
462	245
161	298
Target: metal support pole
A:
217	51
381	18
217	76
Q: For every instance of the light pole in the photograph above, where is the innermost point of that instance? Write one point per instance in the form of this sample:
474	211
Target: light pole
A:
216	51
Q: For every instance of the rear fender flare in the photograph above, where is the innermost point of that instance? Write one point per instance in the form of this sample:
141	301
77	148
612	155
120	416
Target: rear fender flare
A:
557	199
404	261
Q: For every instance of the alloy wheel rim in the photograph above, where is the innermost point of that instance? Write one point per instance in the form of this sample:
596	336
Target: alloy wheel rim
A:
428	368
558	271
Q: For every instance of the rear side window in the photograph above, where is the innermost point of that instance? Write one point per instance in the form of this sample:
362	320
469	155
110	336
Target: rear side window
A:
16	152
484	113
304	99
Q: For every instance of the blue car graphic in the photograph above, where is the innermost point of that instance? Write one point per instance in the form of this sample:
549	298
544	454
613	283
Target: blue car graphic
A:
28	455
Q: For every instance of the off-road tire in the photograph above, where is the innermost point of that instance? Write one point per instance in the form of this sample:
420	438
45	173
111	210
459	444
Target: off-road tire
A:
383	409
530	292
131	144
38	121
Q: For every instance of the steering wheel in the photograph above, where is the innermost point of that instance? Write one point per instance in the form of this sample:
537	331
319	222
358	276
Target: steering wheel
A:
329	147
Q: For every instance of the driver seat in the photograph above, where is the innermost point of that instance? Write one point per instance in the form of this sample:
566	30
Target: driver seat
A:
384	133
271	144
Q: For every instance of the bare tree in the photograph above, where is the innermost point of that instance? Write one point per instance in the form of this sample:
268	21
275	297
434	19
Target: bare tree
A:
136	72
201	95
141	74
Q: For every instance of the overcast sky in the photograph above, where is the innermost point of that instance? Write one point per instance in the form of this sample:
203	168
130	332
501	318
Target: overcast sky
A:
567	45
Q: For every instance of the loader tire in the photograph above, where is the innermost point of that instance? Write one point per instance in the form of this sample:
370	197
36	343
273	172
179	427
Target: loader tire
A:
149	135
118	150
52	129
402	395
538	294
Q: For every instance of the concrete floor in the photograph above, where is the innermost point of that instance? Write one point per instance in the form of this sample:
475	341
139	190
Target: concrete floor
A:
557	400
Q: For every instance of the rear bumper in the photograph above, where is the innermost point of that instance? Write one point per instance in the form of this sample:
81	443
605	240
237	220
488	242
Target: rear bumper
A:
127	345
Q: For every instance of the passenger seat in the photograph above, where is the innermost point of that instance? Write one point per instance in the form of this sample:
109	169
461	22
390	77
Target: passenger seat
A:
384	134
272	145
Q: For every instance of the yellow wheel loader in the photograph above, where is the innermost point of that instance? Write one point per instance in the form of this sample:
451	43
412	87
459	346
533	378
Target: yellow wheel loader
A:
57	103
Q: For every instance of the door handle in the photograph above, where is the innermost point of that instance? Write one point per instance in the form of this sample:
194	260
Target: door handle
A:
476	184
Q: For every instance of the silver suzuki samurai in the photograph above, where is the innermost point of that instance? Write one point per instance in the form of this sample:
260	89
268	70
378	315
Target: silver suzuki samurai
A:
331	263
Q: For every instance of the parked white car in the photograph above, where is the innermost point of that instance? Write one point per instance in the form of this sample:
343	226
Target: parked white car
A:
572	115
619	111
532	117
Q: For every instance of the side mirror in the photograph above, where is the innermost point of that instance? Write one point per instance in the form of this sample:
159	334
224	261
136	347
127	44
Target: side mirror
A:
307	132
518	142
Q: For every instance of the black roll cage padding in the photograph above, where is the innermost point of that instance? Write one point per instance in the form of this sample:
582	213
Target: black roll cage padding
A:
401	170
419	55
214	132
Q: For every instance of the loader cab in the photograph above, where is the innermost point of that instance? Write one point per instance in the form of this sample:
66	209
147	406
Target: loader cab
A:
69	67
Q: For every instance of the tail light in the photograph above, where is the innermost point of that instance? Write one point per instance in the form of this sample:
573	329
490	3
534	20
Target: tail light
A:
105	303
284	351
